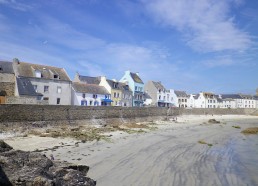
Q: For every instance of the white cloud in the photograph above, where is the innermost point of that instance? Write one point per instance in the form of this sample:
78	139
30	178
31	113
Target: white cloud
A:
16	5
206	24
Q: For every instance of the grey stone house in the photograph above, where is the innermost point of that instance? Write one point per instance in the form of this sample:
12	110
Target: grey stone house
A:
52	82
159	94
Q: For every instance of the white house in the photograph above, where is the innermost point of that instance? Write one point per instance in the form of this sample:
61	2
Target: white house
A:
206	100
179	98
90	95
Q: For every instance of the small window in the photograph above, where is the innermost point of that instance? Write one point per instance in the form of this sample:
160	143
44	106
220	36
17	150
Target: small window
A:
46	88
95	96
135	88
46	98
118	95
84	103
58	101
39	98
90	102
35	88
38	74
83	95
114	94
59	90
56	76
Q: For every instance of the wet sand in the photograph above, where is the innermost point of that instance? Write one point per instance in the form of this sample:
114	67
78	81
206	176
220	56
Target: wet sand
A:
170	155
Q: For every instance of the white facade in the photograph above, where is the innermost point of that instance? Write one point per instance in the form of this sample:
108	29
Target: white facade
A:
206	100
191	101
87	99
55	92
228	103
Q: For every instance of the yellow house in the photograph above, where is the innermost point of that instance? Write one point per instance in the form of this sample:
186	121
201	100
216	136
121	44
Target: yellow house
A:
114	88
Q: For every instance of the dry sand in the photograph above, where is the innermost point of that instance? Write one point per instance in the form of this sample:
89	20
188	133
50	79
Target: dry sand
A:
170	155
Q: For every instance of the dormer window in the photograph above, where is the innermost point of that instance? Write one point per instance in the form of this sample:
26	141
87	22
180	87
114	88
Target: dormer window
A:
56	76
38	74
115	85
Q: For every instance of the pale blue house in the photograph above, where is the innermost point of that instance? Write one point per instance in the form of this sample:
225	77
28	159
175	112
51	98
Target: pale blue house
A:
136	85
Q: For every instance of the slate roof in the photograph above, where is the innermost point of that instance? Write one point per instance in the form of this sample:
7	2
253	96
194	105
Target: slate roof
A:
120	85
147	96
233	96
256	97
48	72
196	96
245	96
180	93
89	88
6	67
25	87
158	85
89	80
136	78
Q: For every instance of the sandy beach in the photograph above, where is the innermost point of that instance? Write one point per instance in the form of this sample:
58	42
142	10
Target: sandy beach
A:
190	151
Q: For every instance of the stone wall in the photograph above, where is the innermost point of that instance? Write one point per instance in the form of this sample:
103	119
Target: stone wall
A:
60	115
8	87
29	100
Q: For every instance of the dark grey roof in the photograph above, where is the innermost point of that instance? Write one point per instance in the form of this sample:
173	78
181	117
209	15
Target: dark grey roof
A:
180	93
90	88
245	96
196	96
90	80
147	96
136	78
47	72
118	85
25	87
6	67
233	96
158	85
255	97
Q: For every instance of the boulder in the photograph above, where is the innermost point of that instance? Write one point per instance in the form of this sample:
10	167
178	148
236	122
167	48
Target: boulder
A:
35	169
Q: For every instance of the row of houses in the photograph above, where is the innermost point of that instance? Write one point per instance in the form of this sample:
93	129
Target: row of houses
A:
27	83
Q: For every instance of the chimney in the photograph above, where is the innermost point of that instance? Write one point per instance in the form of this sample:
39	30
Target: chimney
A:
77	77
16	60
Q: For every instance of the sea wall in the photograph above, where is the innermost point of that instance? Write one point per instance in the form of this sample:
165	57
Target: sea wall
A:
42	115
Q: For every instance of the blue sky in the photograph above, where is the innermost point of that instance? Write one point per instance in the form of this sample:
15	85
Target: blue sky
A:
191	45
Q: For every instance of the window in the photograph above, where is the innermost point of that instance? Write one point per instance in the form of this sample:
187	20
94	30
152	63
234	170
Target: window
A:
46	88
59	90
135	88
39	98
83	95
84	103
58	101
159	97
95	96
56	76
38	74
114	94
46	98
35	88
96	103
118	95
90	102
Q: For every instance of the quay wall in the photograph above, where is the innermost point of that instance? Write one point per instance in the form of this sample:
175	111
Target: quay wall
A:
56	115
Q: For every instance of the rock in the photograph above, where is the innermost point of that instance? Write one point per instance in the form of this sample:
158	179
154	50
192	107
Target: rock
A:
34	169
4	147
213	121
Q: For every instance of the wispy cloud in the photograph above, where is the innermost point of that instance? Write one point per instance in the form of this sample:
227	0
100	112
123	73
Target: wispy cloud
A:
16	5
206	24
